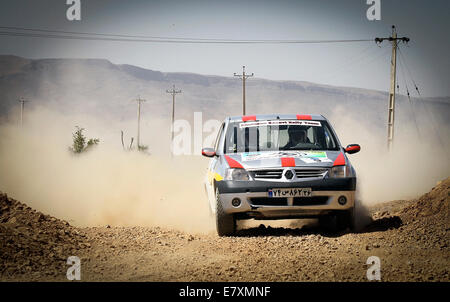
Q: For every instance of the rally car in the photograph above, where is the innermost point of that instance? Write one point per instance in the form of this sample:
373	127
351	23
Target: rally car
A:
280	167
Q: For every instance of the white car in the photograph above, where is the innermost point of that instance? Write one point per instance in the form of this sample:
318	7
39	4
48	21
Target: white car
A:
280	167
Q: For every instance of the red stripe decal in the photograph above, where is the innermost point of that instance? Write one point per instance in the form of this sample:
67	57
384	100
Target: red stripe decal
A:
232	163
246	118
288	162
303	116
340	160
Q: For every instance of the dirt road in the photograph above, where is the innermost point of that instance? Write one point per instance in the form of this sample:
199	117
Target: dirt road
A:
411	238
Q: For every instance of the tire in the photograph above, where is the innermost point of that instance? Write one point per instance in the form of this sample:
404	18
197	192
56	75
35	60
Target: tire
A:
338	221
345	219
225	223
352	219
328	222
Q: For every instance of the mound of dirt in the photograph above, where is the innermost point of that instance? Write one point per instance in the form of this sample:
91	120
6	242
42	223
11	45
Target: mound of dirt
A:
434	203
34	244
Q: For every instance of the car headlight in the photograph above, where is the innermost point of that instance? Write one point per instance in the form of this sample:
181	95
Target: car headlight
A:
237	174
339	171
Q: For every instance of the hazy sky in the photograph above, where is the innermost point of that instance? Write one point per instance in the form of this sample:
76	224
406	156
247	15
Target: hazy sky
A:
362	64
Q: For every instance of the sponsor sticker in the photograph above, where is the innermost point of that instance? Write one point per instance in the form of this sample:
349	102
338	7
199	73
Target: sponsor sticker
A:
312	160
279	123
314	154
306	156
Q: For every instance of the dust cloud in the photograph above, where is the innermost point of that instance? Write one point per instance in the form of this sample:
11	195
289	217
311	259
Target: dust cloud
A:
106	185
413	166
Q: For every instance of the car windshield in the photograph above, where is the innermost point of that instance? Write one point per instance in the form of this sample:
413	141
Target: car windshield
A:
275	135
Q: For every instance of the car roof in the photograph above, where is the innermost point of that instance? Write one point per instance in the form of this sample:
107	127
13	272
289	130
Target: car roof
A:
264	117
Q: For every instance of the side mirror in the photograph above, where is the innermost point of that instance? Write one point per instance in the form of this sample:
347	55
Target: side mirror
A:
208	152
353	148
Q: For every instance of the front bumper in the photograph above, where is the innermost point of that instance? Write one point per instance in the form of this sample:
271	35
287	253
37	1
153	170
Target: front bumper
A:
323	184
255	202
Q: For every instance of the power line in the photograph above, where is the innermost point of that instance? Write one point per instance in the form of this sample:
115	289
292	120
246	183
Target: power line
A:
409	97
175	38
425	106
52	36
409	72
95	34
404	77
70	35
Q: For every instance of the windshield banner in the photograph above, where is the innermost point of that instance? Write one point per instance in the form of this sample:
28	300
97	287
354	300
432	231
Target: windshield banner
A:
279	123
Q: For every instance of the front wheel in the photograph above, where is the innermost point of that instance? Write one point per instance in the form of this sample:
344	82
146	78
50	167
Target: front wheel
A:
338	221
346	219
225	223
328	222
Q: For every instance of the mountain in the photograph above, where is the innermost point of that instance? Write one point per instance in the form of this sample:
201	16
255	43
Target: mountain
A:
96	86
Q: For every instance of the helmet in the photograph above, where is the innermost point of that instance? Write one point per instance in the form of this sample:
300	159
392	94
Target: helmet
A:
295	129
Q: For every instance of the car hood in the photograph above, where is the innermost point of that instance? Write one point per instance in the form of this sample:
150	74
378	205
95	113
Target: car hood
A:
275	159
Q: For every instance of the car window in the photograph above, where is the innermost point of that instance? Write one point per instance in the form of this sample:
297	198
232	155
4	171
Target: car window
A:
284	135
310	134
329	141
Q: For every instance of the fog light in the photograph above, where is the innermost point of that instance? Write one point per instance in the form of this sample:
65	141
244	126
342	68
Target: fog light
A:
342	200
236	202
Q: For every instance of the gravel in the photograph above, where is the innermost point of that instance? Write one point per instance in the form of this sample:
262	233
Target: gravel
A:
411	238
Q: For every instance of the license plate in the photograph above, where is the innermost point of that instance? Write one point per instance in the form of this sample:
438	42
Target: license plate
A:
290	192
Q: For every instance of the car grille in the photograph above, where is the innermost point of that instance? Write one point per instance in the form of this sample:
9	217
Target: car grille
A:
278	173
269	174
307	173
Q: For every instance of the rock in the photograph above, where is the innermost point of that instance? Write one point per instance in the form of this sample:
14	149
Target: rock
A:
39	217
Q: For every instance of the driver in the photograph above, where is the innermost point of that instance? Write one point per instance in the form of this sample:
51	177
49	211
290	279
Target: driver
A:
297	135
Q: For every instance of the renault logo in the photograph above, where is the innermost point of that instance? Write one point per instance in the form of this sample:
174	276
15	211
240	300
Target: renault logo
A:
289	174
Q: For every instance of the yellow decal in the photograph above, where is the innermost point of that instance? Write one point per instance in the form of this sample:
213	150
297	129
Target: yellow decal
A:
213	175
217	177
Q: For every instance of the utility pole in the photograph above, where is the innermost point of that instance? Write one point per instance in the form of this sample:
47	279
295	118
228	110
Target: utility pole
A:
173	92
391	106
139	101
243	76
22	107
